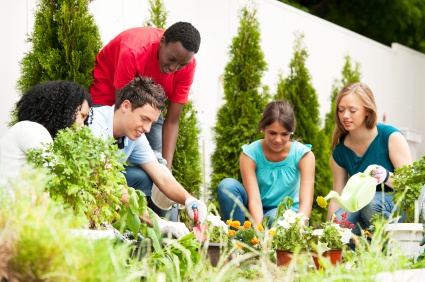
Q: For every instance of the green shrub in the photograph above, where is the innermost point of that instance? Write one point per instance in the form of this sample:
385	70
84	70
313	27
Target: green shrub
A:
408	182
300	93
65	42
87	173
238	118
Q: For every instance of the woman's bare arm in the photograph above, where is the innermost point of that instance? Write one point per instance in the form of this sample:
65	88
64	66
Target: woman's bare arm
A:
250	184
306	166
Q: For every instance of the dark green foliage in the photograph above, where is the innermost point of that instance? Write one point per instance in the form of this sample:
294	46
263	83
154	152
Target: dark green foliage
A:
398	21
238	118
349	75
65	42
408	182
158	14
187	166
298	90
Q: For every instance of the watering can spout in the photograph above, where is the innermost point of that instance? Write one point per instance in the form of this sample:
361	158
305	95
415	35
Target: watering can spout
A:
334	195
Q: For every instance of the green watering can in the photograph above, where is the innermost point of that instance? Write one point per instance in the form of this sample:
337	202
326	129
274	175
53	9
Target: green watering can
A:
358	192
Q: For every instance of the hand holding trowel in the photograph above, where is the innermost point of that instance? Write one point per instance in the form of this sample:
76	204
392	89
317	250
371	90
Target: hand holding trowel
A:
198	229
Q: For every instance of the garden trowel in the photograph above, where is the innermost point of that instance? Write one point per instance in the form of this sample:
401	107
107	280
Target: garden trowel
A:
198	229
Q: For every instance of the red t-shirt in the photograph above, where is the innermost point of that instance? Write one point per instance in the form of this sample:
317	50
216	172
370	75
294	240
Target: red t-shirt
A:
132	53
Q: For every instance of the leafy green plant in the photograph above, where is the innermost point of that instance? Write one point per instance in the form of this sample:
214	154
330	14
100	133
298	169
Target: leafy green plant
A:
87	174
65	42
408	182
245	99
298	90
290	234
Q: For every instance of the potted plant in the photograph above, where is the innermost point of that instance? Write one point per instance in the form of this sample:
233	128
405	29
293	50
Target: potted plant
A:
246	238
331	239
408	182
214	236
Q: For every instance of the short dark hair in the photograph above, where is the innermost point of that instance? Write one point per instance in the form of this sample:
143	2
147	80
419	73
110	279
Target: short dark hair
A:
53	104
279	111
186	34
140	91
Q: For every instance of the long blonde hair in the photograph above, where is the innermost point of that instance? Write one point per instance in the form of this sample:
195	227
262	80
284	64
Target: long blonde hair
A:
363	92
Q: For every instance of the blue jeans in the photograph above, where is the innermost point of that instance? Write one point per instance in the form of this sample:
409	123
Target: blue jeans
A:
362	217
140	180
228	205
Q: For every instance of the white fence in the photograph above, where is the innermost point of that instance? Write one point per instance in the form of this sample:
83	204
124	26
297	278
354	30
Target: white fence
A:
394	73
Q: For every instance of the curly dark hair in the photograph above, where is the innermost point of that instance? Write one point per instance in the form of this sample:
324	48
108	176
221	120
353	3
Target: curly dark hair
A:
54	104
140	91
186	34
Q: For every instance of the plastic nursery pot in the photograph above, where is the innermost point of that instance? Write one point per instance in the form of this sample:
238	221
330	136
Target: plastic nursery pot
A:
334	255
213	252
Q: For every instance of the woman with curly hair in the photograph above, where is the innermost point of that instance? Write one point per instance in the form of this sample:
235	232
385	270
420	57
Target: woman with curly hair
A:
42	111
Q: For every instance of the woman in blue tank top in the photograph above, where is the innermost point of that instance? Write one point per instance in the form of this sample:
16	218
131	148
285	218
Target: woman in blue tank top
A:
271	169
358	141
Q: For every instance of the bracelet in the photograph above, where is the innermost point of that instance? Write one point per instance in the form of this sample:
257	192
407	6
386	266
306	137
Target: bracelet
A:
388	175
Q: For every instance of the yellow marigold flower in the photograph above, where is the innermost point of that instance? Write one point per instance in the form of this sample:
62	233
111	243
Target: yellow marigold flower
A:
260	227
356	240
367	233
247	224
239	245
229	222
230	233
254	241
272	233
239	227
321	202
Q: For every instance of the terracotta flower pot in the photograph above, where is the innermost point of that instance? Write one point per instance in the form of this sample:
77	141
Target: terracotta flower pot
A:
283	258
334	255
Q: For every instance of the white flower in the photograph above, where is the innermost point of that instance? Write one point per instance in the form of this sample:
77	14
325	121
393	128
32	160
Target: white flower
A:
345	236
217	222
290	215
284	223
322	247
318	232
336	226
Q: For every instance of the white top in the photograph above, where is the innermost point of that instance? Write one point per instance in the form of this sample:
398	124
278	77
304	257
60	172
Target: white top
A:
15	144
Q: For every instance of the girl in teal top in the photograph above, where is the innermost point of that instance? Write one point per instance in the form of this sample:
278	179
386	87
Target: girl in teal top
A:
358	141
271	168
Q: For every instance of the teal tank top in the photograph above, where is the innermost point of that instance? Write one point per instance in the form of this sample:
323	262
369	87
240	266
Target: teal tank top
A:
376	153
277	180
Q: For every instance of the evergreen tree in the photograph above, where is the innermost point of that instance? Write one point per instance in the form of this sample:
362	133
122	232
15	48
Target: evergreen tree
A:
298	90
65	42
187	166
158	14
349	75
238	118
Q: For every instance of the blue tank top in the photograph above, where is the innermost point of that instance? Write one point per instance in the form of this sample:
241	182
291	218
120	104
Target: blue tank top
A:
280	179
376	153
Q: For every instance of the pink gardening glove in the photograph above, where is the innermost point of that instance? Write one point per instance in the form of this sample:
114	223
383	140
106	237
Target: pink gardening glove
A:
381	174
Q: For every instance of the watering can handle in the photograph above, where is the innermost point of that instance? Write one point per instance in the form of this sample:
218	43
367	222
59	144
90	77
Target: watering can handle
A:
369	169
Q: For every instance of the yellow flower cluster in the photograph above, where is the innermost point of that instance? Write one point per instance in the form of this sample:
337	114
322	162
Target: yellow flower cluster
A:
366	233
272	233
247	224
231	232
254	241
239	245
260	227
235	224
321	202
228	222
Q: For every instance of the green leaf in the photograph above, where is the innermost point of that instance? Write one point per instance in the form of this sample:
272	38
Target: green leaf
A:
155	223
133	222
266	221
133	204
155	242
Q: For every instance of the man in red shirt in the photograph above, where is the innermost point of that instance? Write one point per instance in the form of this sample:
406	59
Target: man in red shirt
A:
167	57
